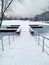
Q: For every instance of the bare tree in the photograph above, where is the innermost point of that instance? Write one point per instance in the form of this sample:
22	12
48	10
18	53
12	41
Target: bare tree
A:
4	6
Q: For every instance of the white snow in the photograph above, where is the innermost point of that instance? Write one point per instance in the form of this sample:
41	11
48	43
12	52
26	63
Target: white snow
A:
24	50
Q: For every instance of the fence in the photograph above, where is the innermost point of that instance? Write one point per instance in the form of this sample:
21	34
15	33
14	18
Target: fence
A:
43	42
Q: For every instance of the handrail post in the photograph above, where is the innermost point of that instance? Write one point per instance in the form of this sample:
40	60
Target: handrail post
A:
9	38
2	42
13	36
43	45
38	39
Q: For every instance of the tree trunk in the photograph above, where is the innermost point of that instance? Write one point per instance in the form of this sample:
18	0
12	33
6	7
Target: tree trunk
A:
1	19
2	14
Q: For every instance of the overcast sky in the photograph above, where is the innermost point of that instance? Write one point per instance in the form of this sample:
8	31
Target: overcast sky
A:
29	8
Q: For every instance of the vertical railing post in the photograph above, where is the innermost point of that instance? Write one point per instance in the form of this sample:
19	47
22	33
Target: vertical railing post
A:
9	38
13	36
2	43
38	39
43	45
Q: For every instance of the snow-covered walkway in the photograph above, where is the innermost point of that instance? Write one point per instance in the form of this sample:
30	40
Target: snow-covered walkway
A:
24	50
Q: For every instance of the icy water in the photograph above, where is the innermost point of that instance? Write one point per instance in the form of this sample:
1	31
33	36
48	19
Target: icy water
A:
24	50
43	30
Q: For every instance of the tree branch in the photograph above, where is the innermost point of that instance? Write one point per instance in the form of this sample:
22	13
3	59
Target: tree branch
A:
8	6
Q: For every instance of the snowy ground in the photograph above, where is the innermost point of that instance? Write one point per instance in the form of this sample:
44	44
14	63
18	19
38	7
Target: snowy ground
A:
24	50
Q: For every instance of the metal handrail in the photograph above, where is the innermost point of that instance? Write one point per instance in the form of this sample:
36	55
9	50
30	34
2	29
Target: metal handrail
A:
42	41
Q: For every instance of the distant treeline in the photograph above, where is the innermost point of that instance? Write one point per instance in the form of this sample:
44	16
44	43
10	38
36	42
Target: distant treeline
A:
42	17
16	18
